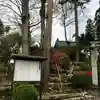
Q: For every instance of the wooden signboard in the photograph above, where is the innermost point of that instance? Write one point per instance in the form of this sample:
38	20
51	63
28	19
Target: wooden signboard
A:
27	71
27	68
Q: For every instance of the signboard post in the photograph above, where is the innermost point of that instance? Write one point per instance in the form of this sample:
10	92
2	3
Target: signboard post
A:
27	69
94	58
93	50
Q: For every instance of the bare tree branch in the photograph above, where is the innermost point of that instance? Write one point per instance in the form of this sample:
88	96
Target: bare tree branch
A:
14	19
70	23
19	23
13	22
34	29
18	5
56	15
9	6
33	6
17	14
35	24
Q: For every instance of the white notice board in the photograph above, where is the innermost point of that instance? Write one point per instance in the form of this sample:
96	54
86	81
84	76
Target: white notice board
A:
27	71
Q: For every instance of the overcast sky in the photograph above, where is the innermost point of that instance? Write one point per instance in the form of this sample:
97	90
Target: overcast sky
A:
58	31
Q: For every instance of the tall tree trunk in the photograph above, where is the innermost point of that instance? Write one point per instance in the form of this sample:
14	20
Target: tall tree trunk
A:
25	24
64	23
42	14
76	30
47	41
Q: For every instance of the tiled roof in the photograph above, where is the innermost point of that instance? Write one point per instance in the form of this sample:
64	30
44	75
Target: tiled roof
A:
59	43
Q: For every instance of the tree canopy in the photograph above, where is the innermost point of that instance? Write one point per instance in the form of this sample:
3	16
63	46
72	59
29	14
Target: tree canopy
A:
1	27
8	43
97	22
86	38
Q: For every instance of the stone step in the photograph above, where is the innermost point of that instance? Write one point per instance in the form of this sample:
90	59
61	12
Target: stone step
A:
58	87
5	83
75	98
53	79
81	98
56	71
56	83
57	79
62	96
3	74
4	90
56	74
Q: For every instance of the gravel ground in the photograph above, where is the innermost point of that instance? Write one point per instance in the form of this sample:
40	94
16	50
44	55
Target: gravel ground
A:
96	94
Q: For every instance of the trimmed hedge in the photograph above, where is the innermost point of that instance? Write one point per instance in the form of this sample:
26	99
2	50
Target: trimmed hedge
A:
25	92
82	81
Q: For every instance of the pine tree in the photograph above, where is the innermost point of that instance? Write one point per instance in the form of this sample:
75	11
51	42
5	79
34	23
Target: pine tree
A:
89	31
1	27
97	22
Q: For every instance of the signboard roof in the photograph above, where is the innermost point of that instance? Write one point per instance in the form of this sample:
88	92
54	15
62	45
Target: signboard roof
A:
28	57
